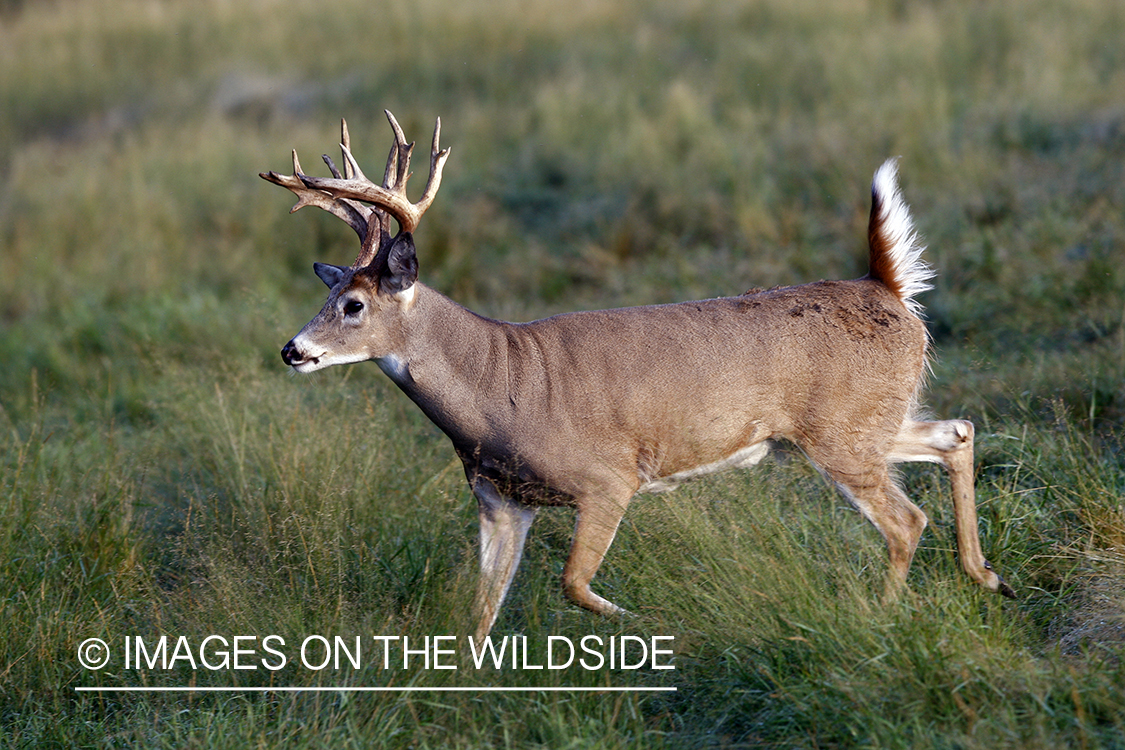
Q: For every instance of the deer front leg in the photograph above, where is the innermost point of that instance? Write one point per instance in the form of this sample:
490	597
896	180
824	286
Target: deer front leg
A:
594	531
950	443
503	531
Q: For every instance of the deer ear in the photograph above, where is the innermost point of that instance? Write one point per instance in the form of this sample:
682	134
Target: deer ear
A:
329	274
402	265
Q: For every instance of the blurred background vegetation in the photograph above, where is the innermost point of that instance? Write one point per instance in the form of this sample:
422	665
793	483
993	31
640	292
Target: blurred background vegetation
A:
160	472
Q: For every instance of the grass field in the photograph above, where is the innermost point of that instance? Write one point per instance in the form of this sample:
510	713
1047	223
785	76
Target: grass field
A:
162	474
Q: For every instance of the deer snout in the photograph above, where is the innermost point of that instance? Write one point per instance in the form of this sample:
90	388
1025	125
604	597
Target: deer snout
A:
292	355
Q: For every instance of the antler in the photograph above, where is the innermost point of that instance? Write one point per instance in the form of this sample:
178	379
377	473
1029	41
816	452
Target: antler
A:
344	195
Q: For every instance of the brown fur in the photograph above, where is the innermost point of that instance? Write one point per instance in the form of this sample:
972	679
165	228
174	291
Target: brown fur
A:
585	409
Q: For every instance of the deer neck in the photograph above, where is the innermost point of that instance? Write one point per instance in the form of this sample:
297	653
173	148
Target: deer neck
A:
448	361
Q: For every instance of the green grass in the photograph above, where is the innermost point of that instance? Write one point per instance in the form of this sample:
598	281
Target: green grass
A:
162	474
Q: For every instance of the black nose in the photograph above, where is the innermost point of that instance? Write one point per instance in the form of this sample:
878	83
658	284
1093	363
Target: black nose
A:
291	355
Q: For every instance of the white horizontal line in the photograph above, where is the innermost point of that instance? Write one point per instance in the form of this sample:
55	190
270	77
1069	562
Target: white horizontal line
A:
354	689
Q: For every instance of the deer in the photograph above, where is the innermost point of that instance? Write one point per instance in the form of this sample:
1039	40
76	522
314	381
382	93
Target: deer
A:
587	409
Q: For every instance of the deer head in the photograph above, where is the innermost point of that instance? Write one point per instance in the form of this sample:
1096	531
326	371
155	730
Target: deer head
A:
357	321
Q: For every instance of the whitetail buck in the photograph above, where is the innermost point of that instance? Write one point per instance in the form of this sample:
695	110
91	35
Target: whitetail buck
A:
586	409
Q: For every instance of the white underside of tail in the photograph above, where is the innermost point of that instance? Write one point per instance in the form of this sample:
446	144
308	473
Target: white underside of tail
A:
911	272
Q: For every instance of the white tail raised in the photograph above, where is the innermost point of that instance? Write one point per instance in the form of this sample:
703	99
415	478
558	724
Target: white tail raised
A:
895	248
586	409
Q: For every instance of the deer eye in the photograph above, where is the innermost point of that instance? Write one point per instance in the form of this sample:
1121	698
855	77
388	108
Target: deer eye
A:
352	307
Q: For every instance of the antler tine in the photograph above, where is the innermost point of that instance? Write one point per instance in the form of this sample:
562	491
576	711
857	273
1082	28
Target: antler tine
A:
395	179
351	166
345	150
378	222
402	150
437	162
352	170
390	174
333	168
354	214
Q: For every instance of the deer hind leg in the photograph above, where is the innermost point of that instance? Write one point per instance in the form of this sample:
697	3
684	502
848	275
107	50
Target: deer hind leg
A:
950	443
594	531
503	530
886	506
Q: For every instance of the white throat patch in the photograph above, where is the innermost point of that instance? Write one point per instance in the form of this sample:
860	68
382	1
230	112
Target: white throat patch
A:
396	369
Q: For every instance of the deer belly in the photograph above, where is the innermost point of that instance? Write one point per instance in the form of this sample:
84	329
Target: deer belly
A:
743	458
